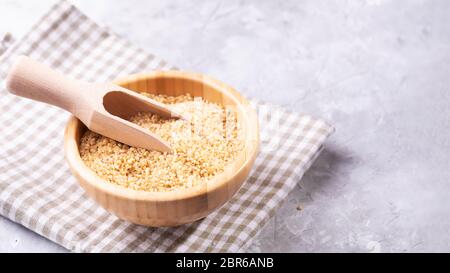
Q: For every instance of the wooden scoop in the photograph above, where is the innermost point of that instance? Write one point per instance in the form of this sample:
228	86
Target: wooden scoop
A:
102	107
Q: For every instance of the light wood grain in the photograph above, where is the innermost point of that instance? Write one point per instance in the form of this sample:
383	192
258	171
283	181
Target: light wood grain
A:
182	206
103	108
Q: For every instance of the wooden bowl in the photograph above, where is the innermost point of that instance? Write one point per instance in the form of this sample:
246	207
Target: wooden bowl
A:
181	206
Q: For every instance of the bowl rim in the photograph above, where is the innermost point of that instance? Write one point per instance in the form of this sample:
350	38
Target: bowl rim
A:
247	156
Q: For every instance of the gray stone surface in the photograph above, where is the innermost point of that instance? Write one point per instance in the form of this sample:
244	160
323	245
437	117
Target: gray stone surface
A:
378	70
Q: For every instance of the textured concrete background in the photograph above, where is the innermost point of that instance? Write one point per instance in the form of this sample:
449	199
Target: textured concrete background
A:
378	70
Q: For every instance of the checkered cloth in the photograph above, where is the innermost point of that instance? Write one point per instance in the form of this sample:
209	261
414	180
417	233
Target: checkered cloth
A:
6	40
38	191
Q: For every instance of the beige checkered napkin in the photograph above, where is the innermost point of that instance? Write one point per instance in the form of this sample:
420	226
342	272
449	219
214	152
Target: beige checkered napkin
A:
38	191
6	40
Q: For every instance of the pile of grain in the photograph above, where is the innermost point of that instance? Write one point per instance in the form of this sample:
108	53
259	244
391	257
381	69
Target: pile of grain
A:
201	148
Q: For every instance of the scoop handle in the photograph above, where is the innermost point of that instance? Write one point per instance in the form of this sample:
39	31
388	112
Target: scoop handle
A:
31	79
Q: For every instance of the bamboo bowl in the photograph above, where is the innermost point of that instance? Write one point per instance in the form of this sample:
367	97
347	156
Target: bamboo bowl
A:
181	206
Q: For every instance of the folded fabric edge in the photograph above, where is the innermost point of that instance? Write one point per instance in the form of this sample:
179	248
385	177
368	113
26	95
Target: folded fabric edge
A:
299	176
39	21
327	129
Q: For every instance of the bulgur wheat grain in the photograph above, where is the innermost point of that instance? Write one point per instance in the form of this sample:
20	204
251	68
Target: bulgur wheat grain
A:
201	148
